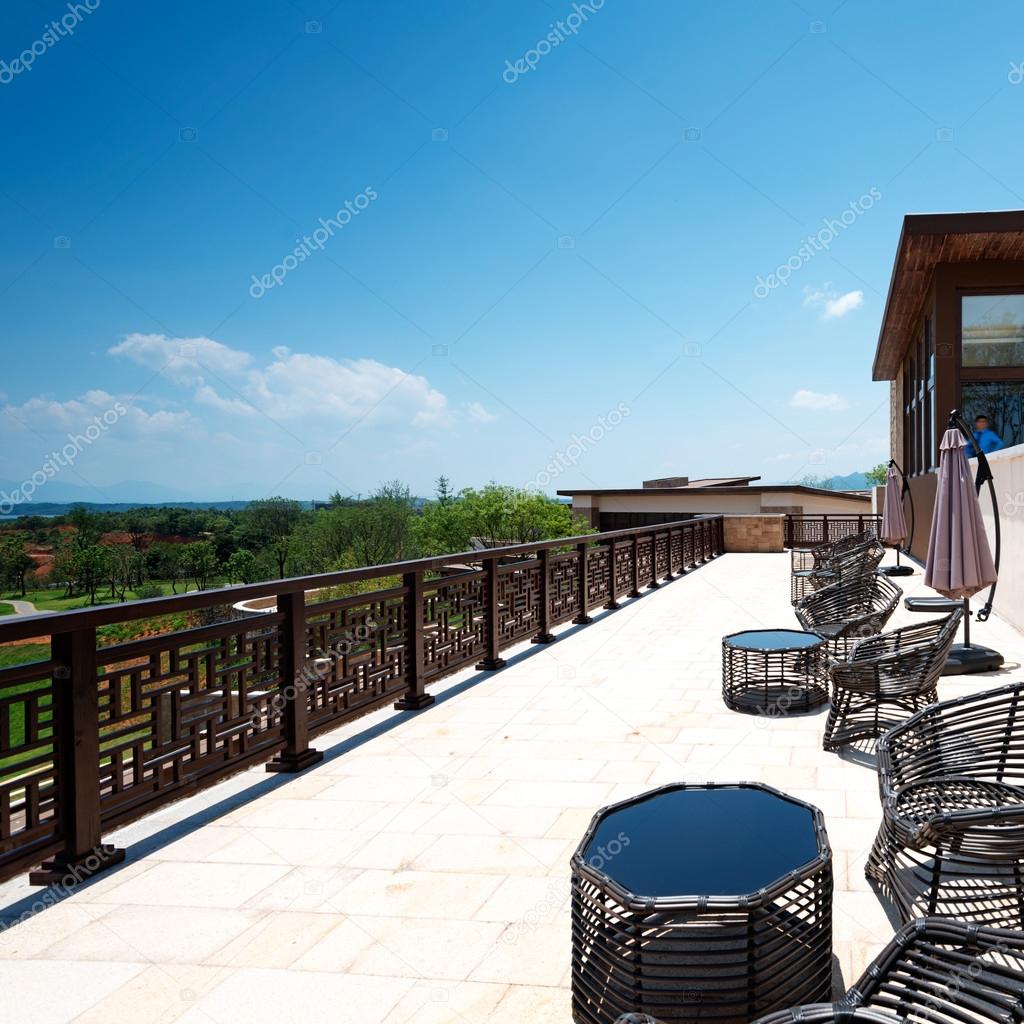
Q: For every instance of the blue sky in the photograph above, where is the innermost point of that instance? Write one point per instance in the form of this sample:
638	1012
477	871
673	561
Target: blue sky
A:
523	251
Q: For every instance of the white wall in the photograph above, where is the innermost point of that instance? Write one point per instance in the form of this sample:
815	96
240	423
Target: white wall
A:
1008	476
712	500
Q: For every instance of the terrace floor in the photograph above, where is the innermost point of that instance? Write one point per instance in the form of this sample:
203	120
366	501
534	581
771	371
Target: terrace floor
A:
421	872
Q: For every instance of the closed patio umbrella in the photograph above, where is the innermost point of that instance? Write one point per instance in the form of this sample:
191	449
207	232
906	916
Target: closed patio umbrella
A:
894	523
959	558
959	562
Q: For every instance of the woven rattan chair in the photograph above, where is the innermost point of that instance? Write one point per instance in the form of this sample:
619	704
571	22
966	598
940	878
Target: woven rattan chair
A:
849	610
845	560
886	678
818	556
952	834
934	969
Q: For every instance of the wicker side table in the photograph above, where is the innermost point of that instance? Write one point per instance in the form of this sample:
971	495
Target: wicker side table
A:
774	671
697	903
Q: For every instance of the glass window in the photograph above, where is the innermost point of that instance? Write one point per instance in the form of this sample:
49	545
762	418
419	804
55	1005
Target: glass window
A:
1002	403
993	330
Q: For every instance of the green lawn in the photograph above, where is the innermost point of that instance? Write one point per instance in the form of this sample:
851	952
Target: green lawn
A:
6	609
55	601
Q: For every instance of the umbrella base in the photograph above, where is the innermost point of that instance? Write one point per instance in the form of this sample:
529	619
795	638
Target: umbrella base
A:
897	570
966	659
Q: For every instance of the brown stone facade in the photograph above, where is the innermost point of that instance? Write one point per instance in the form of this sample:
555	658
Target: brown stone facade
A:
896	418
762	534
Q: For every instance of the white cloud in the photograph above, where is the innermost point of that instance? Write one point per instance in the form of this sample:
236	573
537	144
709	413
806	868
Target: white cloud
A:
48	417
182	360
818	402
831	303
299	386
294	386
478	414
205	395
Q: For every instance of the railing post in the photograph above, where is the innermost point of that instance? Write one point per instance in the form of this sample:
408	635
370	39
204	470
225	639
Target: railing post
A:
635	592
653	583
721	535
493	660
611	604
416	698
581	618
297	755
544	634
76	741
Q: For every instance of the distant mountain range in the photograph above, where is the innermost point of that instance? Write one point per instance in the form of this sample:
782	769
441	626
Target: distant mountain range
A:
56	496
850	482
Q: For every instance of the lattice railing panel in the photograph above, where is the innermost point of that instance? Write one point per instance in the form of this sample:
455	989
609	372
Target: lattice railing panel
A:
599	589
623	568
455	622
661	555
29	808
519	600
645	554
564	586
178	709
357	653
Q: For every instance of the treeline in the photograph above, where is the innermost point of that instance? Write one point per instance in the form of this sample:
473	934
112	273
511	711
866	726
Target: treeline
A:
271	538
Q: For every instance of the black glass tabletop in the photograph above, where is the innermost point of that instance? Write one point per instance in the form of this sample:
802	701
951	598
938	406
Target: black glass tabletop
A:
773	640
703	842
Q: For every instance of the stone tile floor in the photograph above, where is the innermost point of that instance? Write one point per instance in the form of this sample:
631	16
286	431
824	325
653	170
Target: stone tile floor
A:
421	872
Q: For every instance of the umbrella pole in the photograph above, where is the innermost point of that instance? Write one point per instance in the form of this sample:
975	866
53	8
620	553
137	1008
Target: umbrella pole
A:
967	658
897	569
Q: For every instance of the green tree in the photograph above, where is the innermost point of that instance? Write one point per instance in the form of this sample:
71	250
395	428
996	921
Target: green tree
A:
443	494
876	477
89	565
242	567
15	564
495	515
382	527
267	525
824	483
164	562
88	527
124	569
199	561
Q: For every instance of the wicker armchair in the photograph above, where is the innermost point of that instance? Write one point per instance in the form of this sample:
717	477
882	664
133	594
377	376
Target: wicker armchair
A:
896	672
849	610
817	557
952	835
845	560
934	969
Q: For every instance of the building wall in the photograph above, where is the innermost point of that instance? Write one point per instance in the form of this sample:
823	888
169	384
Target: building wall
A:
709	501
896	418
1008	477
754	533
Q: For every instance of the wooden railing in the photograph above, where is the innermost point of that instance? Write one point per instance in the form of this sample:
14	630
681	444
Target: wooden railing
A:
94	736
807	531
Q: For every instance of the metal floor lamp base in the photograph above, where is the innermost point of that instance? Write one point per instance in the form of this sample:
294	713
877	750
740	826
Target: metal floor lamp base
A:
966	659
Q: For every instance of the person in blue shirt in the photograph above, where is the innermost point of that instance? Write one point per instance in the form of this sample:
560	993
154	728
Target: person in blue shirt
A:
985	438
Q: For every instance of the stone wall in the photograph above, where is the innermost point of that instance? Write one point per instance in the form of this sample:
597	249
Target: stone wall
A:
763	533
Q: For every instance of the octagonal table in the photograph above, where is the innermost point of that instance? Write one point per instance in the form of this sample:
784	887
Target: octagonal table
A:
701	903
774	670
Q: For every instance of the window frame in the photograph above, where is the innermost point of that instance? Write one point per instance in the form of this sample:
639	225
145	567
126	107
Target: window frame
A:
982	374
